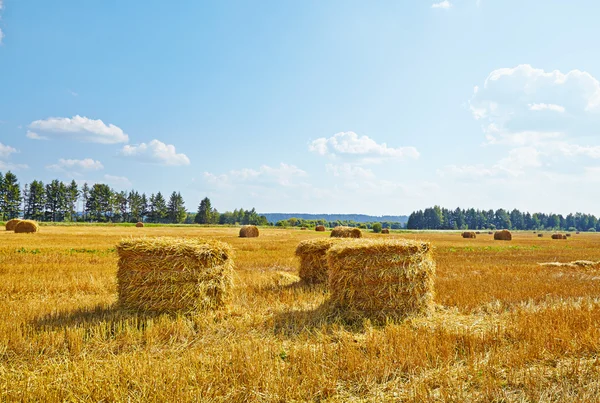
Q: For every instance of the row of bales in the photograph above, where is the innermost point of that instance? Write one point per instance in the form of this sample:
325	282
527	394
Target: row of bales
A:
22	226
505	235
376	279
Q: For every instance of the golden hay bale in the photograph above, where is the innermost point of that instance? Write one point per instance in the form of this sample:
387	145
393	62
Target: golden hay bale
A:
346	232
559	236
577	233
303	228
540	235
490	232
469	234
313	260
11	224
26	227
381	279
503	235
139	224
477	232
568	235
249	231
173	274
385	231
320	228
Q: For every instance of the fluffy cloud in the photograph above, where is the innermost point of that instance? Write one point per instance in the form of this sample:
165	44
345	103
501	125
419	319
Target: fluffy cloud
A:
7	166
349	144
118	181
34	136
155	152
6	151
444	4
548	107
68	165
81	129
283	175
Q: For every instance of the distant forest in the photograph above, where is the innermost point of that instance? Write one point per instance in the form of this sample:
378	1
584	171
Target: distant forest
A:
458	219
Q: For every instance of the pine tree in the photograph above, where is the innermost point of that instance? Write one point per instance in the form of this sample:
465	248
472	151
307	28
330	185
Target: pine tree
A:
176	208
11	194
35	201
204	212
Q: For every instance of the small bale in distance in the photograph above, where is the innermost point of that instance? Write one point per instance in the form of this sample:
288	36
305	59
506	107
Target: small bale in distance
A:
385	231
320	228
490	232
249	231
559	236
569	235
11	224
477	232
303	228
26	227
381	279
346	232
503	235
469	234
540	235
139	224
577	233
167	274
313	259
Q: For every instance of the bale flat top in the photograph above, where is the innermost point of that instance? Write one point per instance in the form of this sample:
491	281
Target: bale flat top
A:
201	249
316	245
373	247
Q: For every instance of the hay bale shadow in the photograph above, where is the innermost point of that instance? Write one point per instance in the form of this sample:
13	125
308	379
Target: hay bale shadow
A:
92	316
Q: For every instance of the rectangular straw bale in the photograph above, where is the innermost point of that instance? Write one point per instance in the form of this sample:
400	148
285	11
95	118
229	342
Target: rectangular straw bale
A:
381	279
313	259
173	274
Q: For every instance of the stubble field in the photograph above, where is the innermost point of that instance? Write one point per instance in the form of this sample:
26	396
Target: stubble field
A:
505	328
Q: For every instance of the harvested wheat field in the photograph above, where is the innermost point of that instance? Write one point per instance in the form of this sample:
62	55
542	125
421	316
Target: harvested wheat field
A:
505	328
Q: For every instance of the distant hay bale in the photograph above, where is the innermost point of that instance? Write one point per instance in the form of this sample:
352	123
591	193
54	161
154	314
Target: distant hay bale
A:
559	236
139	224
577	233
503	235
26	227
490	232
249	231
11	224
540	235
477	232
172	274
346	232
385	231
303	229
380	279
320	228
313	260
568	235
469	234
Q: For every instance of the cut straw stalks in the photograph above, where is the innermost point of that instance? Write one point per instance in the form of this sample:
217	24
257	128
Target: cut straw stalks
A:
346	232
172	274
313	259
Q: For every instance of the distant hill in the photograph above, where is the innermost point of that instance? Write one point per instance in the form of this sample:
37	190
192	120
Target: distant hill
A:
274	217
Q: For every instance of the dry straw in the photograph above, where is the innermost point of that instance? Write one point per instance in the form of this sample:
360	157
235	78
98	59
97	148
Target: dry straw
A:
385	231
469	234
346	232
320	228
173	274
139	224
27	227
559	236
11	224
313	260
503	235
249	231
380	279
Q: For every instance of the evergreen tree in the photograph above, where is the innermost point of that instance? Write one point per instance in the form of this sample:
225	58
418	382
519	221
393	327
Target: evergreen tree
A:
100	203
11	196
72	195
204	212
35	201
176	208
158	208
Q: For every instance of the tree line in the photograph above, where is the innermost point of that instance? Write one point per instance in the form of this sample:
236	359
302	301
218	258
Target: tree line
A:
58	202
459	219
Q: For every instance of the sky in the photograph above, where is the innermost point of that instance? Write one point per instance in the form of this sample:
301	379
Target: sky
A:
310	106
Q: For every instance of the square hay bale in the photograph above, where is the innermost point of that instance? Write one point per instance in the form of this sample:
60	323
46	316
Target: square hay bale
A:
26	227
503	235
166	274
469	234
313	259
380	279
559	236
249	231
11	224
385	231
320	228
346	232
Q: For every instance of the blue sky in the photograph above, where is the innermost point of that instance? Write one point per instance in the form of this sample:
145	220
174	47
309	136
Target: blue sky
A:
314	106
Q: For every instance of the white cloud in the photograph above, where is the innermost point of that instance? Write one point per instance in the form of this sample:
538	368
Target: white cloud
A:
7	166
86	164
348	144
155	152
546	107
283	175
81	129
118	181
350	172
34	136
6	151
442	4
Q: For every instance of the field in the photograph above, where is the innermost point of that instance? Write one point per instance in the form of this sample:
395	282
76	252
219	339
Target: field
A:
505	328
